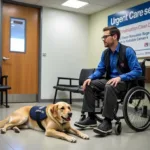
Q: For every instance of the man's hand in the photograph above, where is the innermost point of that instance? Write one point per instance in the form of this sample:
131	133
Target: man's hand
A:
86	82
114	81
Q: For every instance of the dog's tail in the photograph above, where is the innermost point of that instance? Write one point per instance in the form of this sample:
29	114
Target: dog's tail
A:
3	122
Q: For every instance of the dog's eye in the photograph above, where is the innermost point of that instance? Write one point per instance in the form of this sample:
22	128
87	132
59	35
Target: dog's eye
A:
69	108
62	108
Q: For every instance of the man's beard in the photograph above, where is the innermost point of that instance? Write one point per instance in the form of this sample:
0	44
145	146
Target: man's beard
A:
108	44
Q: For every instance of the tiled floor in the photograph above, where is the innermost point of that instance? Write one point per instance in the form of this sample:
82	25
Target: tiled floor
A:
34	140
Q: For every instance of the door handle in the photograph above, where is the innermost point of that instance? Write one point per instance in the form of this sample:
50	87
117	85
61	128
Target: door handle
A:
5	58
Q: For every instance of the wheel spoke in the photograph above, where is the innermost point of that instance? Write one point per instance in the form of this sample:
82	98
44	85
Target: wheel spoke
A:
135	111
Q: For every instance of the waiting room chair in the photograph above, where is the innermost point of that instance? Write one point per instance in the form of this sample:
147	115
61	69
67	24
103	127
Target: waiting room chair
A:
4	88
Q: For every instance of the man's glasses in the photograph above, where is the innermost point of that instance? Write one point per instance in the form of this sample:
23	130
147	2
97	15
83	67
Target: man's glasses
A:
106	36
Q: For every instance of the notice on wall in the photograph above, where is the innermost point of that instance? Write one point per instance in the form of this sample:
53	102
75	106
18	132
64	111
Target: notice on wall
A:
134	25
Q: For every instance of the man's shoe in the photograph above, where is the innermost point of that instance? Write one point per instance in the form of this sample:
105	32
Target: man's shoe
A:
104	128
87	122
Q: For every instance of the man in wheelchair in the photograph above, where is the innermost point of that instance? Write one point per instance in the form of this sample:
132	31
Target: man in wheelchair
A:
120	64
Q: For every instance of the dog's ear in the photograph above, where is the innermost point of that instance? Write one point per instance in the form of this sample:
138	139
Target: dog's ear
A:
70	107
54	110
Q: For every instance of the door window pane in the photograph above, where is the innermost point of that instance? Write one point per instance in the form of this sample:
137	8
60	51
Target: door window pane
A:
17	38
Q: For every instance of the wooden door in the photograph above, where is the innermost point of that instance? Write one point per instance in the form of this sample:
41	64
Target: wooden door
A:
21	68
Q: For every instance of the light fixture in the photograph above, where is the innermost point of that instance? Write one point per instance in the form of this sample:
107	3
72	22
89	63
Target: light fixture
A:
75	3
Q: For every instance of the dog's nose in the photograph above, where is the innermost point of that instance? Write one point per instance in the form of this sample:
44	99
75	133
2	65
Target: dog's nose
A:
70	114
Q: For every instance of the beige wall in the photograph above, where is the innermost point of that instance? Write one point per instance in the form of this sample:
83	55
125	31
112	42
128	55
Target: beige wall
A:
97	22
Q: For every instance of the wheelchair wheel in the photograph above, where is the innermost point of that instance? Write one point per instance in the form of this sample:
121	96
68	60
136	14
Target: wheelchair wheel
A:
118	128
136	108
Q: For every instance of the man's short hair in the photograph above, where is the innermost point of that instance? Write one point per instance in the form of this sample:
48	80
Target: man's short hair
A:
113	30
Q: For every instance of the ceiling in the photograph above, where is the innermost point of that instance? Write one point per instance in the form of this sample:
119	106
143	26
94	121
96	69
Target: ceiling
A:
94	5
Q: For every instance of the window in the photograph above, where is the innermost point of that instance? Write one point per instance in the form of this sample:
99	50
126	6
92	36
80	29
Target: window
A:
17	37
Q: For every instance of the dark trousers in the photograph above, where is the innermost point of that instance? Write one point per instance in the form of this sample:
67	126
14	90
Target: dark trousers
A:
92	92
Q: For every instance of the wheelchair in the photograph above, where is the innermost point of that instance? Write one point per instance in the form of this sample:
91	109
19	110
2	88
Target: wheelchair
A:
135	103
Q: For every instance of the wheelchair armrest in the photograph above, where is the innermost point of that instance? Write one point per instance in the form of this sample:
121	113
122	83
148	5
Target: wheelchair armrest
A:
136	79
140	78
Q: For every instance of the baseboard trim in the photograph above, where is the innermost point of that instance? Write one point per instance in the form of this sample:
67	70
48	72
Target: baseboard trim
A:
21	98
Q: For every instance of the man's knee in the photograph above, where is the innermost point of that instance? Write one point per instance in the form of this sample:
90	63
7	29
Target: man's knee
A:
94	82
88	87
109	86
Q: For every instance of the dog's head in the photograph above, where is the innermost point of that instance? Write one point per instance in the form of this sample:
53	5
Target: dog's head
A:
61	111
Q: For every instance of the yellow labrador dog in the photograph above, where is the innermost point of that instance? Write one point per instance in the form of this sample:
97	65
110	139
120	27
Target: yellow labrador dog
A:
57	121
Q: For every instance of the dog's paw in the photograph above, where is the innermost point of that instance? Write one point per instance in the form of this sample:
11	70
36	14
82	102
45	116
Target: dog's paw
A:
84	136
72	139
16	129
3	131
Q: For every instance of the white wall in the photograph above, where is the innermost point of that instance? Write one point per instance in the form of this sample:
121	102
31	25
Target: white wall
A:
97	22
65	42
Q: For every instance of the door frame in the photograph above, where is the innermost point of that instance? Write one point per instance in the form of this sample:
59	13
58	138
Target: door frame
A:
38	99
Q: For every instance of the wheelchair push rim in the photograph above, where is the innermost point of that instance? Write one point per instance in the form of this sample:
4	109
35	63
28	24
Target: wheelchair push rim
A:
136	109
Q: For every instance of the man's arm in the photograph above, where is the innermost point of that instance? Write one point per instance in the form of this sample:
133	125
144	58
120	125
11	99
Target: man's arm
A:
133	64
100	71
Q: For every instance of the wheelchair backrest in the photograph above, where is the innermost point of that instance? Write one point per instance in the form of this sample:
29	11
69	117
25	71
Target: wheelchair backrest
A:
142	82
0	75
142	64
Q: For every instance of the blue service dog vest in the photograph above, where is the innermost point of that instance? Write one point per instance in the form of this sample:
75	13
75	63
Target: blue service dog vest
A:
38	113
